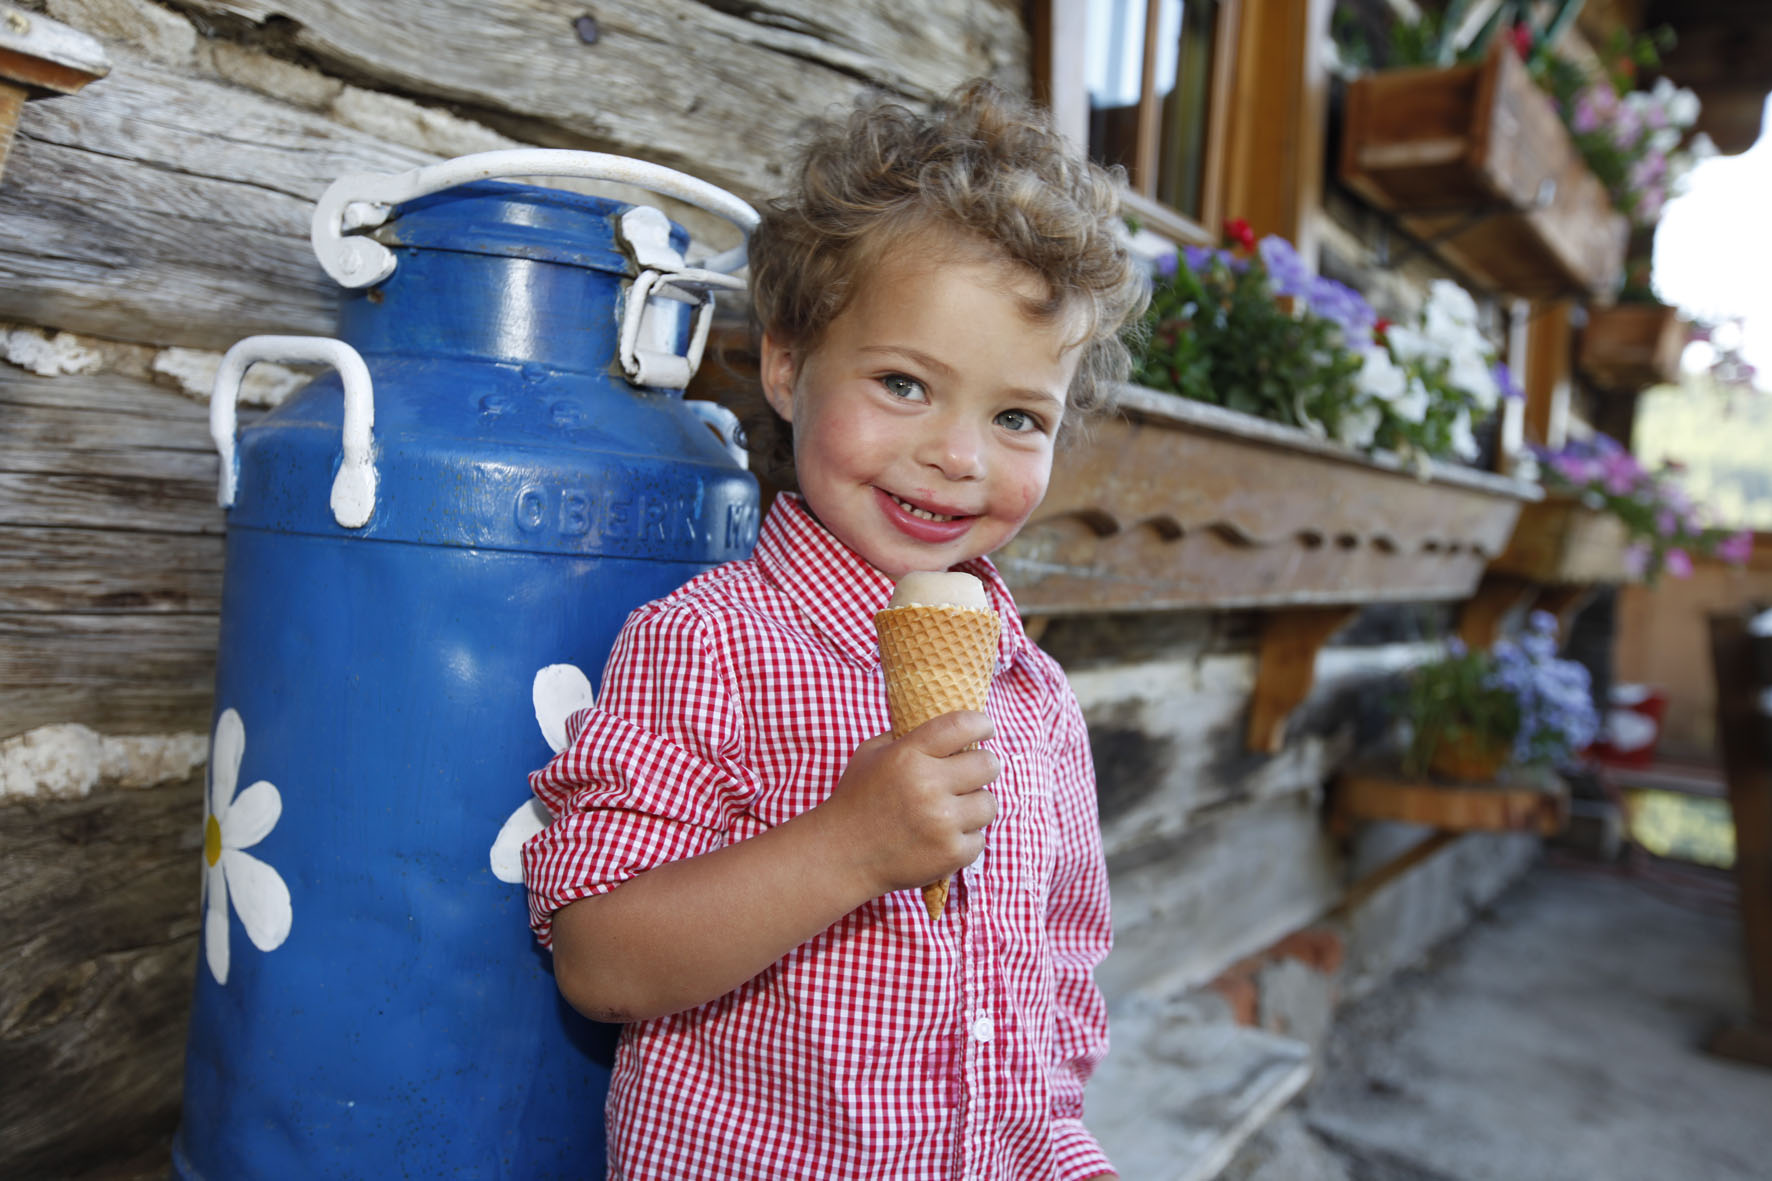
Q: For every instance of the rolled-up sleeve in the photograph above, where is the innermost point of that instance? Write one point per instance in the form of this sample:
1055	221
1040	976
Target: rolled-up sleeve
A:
1080	930
652	773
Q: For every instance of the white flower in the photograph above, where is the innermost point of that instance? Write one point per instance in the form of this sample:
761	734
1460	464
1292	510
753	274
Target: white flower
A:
1681	105
558	692
1413	405
1380	377
1464	442
233	824
1470	372
1409	344
1360	426
1448	318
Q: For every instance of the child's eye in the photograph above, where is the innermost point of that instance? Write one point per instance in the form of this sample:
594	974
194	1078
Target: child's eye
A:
1018	421
900	386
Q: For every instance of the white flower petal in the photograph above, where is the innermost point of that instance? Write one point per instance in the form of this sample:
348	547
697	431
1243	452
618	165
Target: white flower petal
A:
507	851
215	924
260	899
560	690
252	816
225	754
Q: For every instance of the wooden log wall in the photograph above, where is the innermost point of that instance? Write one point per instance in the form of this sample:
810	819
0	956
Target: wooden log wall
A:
161	214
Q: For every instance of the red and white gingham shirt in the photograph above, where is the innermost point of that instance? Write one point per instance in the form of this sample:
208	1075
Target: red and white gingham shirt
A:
890	1046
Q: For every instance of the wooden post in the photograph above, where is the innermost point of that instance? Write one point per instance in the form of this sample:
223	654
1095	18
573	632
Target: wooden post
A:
1285	668
1747	764
1548	365
1274	171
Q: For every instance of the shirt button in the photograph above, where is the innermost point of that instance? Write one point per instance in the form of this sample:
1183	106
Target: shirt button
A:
983	1030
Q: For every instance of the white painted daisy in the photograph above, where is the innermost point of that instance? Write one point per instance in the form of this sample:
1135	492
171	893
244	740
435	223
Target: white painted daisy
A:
559	691
233	824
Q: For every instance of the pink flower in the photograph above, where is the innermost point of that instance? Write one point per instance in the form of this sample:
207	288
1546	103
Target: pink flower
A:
1678	563
1737	548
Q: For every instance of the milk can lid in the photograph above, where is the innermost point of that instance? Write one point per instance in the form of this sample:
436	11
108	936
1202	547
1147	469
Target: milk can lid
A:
510	220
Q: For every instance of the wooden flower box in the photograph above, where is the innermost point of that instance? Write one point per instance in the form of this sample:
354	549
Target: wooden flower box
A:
1559	541
1631	346
1179	504
1475	162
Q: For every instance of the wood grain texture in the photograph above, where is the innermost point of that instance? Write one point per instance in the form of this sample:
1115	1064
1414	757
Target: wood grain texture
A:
98	940
716	88
171	210
1476	162
110	555
1560	541
1186	505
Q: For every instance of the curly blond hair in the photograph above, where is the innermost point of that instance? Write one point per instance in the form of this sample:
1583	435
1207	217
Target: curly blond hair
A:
984	166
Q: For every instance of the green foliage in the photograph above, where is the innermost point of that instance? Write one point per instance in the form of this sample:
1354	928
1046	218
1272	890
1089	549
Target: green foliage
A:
1453	698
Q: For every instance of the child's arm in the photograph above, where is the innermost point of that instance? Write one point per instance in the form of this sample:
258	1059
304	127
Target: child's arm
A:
904	813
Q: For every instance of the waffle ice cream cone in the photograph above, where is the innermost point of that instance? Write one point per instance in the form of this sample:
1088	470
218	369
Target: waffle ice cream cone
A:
938	657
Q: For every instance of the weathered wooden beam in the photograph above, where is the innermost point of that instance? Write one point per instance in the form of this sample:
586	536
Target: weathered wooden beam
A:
716	89
98	941
40	57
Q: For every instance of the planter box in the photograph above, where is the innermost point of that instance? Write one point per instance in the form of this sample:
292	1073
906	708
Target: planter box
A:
1631	346
1179	504
1474	161
1561	542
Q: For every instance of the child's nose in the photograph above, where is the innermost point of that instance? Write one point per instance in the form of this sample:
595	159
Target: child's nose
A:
955	449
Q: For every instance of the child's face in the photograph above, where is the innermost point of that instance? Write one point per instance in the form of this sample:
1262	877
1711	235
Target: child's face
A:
924	420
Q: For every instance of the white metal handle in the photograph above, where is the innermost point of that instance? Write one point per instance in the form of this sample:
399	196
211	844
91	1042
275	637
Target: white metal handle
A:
353	488
364	200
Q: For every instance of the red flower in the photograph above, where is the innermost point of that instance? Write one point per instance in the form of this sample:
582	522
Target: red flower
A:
1237	229
1521	36
1379	329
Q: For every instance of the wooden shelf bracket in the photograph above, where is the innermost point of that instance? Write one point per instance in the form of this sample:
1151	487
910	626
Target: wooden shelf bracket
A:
1286	667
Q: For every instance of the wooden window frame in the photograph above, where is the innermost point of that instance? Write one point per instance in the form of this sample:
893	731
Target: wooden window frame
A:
1060	31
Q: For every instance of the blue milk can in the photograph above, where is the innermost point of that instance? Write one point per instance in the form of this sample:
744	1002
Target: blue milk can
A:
427	551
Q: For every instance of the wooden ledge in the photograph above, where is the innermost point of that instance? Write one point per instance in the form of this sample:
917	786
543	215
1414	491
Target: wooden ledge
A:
1524	804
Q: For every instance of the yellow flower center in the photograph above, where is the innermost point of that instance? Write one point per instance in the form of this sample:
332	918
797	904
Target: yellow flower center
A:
212	840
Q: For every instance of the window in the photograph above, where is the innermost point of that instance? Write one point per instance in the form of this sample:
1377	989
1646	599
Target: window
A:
1145	84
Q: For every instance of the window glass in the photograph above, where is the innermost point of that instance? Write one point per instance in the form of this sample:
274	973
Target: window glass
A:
1188	29
1167	81
1115	57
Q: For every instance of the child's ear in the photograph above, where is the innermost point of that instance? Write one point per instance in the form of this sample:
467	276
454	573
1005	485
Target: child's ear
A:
777	371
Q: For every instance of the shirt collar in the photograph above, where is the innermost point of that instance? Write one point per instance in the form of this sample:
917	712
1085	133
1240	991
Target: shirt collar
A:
838	592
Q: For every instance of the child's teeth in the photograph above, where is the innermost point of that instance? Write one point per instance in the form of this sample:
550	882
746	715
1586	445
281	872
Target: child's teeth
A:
917	512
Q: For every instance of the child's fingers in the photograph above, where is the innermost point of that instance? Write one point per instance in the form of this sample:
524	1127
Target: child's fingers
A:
976	809
951	733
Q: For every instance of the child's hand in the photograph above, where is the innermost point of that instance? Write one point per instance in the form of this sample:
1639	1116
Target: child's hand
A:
913	810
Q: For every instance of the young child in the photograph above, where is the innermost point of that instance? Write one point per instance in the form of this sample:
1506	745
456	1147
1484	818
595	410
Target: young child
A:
735	866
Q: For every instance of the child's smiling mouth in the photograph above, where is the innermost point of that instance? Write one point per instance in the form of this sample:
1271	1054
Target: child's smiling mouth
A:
925	514
923	524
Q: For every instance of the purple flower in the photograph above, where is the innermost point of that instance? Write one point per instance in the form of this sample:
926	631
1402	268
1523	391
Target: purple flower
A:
1621	471
1346	308
1285	269
1166	265
1678	563
1199	258
1737	548
1504	381
1667	522
1636	559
